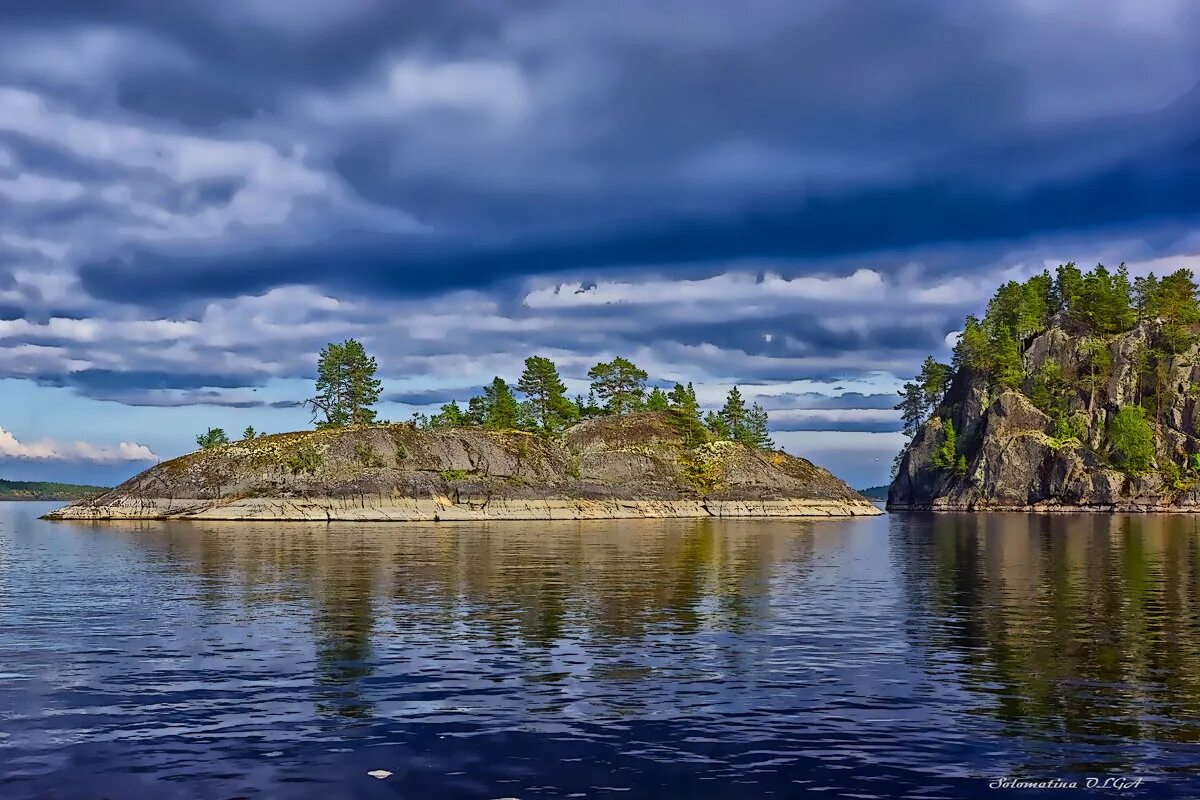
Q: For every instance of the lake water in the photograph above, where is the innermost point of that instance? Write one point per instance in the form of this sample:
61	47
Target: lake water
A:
913	656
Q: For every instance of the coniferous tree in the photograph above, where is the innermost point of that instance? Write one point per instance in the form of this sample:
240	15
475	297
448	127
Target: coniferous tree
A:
449	416
717	426
911	407
733	414
497	408
757	434
249	432
213	437
685	411
346	386
934	380
657	400
620	384
548	405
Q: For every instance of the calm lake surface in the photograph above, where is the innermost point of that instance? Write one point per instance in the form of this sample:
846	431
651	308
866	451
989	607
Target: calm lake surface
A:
907	655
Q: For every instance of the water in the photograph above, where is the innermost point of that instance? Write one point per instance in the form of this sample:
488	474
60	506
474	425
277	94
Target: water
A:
909	656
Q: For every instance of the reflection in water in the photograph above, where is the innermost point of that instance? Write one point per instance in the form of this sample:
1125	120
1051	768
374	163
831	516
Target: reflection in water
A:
1075	628
908	655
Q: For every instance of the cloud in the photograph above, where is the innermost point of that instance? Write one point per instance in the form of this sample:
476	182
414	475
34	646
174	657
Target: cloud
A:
47	449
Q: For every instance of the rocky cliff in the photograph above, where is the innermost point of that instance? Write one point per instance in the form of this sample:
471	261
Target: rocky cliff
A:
1013	455
612	467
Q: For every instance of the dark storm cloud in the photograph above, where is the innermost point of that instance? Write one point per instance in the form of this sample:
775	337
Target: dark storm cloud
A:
179	158
431	397
101	381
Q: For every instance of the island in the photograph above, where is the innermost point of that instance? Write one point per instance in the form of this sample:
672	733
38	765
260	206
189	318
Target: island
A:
630	465
1075	392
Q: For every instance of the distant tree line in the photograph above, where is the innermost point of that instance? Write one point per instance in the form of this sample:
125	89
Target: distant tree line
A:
347	390
1094	306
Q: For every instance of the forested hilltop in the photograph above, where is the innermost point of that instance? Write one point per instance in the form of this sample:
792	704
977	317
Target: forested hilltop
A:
1074	391
527	452
47	490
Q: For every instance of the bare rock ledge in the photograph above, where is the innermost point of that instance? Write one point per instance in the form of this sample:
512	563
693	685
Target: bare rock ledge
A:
627	467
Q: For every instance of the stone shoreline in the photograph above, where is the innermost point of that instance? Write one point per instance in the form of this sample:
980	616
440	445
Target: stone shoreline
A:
442	509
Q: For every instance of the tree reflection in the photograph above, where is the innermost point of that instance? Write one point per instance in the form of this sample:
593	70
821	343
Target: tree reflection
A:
582	599
1081	627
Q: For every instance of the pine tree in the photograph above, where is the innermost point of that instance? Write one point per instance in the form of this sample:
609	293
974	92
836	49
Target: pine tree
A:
548	405
213	437
249	432
497	408
346	386
756	429
620	384
733	414
685	412
657	400
449	416
911	407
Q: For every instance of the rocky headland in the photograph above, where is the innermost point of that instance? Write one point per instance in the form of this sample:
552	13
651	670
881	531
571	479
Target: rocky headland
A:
1088	406
626	466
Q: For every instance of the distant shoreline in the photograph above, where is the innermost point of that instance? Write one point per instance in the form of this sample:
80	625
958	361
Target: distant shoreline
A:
47	491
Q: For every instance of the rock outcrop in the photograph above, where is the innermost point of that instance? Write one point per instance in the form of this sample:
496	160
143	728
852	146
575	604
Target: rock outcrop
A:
611	467
1019	458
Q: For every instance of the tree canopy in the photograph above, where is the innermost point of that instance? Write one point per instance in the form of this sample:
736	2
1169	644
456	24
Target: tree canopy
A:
620	385
346	386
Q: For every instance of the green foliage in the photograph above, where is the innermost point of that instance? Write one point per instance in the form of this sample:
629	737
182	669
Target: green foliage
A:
1007	368
213	437
575	466
401	454
455	475
305	458
249	433
497	408
1173	476
366	456
755	434
346	386
946	457
1173	300
685	413
911	407
974	348
704	474
717	427
1131	440
657	400
47	490
1103	301
449	416
620	384
1048	391
548	405
733	414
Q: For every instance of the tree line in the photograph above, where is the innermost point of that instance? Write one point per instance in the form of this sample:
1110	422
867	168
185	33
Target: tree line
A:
347	391
1094	306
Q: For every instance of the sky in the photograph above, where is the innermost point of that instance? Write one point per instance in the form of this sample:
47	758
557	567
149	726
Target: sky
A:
800	199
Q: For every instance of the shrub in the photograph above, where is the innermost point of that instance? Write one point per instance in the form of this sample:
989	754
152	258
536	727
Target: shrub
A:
365	454
401	453
455	475
305	458
1131	440
946	456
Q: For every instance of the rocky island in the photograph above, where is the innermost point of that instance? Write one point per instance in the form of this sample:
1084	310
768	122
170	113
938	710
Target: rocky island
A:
1077	392
628	465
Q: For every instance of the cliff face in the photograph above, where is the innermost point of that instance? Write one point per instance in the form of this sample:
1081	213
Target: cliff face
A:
1020	458
611	467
